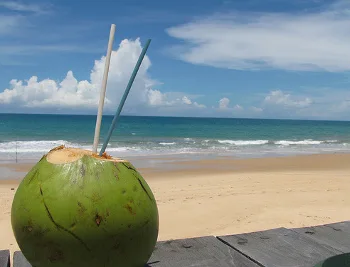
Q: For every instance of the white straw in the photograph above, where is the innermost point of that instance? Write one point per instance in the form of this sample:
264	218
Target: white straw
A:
103	89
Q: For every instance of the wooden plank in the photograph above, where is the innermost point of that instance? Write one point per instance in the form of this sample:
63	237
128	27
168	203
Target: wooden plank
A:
342	226
19	260
280	248
4	258
203	252
336	235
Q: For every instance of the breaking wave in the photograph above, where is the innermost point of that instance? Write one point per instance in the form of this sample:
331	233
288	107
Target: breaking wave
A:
167	144
244	142
141	147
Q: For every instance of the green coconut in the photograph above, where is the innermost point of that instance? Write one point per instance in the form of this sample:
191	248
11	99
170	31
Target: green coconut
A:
75	208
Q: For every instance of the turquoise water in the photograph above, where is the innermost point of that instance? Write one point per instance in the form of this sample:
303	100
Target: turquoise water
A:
33	135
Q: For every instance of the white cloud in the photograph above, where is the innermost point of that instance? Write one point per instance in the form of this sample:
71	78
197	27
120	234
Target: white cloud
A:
277	97
238	107
257	109
223	103
186	100
304	41
228	111
155	97
71	94
197	105
308	104
224	107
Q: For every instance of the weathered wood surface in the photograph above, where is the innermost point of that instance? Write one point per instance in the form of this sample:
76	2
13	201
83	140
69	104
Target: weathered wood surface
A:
4	258
204	252
300	247
335	235
280	248
19	260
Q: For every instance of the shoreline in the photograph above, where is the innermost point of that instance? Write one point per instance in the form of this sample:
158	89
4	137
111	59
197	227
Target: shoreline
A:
230	196
222	165
260	152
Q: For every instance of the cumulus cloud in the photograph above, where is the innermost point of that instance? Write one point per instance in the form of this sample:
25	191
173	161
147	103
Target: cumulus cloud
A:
277	97
257	109
168	99
197	105
84	95
237	107
223	103
186	100
155	98
227	110
304	41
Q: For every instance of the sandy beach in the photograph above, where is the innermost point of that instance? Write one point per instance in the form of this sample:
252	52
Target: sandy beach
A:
227	196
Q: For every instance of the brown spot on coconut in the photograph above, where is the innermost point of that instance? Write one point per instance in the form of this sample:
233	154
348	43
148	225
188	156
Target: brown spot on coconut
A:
52	202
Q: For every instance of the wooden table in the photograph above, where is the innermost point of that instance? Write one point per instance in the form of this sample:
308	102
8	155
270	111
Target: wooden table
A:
279	247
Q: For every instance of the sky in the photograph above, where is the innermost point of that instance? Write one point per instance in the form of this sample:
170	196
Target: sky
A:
240	59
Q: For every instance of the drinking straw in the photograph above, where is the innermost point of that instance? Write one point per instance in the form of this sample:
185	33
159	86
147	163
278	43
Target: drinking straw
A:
122	101
103	89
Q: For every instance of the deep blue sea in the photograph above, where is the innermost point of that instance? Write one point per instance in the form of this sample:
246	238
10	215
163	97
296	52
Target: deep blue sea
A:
33	135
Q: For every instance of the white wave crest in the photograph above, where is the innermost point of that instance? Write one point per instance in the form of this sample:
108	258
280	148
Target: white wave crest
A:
32	146
244	142
167	144
301	142
123	149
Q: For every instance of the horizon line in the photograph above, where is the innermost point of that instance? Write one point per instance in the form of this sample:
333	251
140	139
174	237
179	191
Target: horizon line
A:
173	116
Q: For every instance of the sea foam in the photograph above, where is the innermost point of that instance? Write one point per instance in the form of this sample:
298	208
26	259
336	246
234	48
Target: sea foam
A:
244	142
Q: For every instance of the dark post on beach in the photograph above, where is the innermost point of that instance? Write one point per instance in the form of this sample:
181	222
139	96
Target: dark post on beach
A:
121	104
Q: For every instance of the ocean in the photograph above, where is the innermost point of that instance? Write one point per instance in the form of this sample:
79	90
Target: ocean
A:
29	136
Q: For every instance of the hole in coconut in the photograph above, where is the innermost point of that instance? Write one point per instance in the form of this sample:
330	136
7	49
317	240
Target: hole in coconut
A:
62	154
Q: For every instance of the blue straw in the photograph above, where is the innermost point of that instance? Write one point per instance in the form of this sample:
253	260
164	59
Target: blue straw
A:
122	101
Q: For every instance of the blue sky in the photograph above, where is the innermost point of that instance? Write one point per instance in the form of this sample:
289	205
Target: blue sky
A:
249	58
